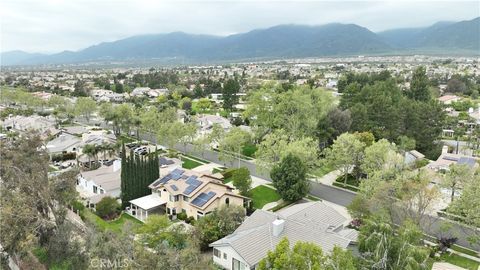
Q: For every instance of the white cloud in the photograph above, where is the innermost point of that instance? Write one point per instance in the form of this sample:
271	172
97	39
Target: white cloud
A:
56	25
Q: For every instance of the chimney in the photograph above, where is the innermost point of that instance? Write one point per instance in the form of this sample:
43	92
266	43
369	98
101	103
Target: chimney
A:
277	227
117	165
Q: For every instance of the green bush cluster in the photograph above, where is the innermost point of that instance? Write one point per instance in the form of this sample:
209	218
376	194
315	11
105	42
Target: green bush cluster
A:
64	156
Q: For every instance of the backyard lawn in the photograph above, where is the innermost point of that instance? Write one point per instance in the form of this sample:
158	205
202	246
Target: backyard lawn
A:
262	195
114	225
188	163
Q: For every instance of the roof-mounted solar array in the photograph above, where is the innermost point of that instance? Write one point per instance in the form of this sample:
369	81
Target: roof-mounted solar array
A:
203	198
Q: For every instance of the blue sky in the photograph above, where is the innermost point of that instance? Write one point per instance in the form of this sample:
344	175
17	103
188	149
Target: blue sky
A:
57	25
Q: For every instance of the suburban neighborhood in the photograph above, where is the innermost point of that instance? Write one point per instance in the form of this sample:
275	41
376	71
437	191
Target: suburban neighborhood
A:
292	147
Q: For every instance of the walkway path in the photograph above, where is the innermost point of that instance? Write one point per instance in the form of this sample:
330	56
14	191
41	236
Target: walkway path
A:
329	178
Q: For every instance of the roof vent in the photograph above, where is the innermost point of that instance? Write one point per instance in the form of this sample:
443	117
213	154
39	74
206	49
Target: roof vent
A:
277	226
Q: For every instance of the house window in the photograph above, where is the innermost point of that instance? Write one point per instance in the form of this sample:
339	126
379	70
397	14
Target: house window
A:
95	189
176	198
217	253
171	198
185	198
102	191
224	255
174	211
227	201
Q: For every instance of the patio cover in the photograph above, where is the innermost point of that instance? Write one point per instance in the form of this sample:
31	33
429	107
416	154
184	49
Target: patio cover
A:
148	202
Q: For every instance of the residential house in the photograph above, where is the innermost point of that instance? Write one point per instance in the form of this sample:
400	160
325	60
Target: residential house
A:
64	143
314	222
412	156
95	184
207	121
195	194
449	99
446	159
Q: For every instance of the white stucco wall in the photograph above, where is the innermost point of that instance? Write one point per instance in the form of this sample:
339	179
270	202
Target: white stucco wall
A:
227	263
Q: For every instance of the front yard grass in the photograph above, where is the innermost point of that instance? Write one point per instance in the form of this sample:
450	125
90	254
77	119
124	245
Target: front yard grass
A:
188	163
351	180
460	261
262	195
322	170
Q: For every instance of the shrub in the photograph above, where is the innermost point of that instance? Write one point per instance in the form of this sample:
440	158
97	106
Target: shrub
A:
182	216
249	150
419	163
64	156
108	208
242	180
228	172
445	243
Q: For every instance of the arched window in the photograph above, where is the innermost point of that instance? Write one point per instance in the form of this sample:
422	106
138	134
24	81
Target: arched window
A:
227	201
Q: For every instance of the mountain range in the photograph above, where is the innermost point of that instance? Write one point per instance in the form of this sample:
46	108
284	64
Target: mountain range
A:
283	41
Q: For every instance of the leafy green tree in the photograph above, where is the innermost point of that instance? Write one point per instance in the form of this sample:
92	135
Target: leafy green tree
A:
218	224
331	126
79	89
419	85
204	104
344	153
229	94
306	256
107	208
457	178
376	156
85	106
384	248
406	143
242	181
467	206
289	177
33	204
277	145
232	144
158	230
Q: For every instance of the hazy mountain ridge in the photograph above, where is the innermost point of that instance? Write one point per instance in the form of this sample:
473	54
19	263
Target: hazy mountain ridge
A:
283	41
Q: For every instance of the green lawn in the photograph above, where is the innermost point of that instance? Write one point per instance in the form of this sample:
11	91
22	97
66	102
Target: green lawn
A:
460	261
262	195
52	169
197	159
227	180
322	170
340	184
351	180
188	163
114	225
464	250
249	150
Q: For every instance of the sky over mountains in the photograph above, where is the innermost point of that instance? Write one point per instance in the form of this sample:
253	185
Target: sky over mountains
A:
279	42
53	26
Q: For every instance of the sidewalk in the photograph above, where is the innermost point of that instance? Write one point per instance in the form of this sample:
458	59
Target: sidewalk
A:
328	178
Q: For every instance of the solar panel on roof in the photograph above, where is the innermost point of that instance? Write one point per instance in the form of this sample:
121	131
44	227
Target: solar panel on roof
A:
178	171
174	187
203	198
176	176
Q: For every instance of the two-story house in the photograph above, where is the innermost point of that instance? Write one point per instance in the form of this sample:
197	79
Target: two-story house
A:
190	192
